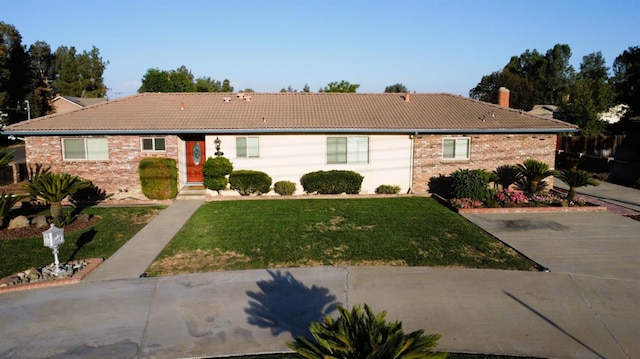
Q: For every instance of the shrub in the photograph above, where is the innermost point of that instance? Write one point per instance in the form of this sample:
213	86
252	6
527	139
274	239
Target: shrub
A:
91	195
473	184
361	333
507	175
332	182
284	188
158	177
508	198
215	170
533	173
388	189
248	182
465	203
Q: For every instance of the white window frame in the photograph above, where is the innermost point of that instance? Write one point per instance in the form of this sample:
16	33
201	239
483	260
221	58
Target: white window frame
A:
153	144
461	148
354	150
250	148
94	149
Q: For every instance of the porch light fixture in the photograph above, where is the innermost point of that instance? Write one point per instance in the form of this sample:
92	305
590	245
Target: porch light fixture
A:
53	238
217	142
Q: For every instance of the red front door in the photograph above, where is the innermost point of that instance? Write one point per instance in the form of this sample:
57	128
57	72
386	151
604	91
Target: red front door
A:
195	160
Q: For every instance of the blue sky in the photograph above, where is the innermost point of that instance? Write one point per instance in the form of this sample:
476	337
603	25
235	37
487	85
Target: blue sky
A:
429	46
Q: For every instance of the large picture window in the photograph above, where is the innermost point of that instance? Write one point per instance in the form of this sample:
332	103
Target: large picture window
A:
153	144
456	148
85	148
351	149
247	147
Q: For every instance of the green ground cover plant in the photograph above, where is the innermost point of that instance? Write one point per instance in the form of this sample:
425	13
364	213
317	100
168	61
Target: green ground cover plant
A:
116	226
403	231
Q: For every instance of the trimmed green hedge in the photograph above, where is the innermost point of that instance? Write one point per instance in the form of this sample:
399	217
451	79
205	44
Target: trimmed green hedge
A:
474	184
248	182
388	189
332	182
158	177
284	188
215	170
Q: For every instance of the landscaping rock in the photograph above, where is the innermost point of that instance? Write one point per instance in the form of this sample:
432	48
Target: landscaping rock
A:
18	222
40	221
83	217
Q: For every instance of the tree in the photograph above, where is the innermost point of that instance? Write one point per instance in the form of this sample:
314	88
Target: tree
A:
576	178
363	334
626	79
15	72
396	88
306	88
42	66
226	86
342	86
532	78
79	75
156	80
590	95
54	188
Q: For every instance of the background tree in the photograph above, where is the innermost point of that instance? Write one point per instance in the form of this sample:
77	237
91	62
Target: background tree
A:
15	72
306	88
590	95
396	88
626	79
342	86
79	74
156	80
42	68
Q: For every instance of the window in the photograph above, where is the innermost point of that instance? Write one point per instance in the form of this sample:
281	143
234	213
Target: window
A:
153	144
455	148
352	149
85	149
247	147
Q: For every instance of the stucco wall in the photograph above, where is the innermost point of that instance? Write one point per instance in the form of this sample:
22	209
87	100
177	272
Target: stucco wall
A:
288	157
117	175
487	152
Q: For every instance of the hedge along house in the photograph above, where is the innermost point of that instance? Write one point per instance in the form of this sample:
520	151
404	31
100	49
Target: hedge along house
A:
396	139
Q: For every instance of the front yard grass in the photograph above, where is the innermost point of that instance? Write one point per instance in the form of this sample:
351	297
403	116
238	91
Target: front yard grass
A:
399	231
117	225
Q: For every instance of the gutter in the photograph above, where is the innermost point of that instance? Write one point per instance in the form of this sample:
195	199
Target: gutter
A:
416	132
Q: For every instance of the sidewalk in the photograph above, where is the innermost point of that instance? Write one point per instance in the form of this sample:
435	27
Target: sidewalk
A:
133	258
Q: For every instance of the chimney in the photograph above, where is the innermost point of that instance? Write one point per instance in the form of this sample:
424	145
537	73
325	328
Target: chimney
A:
503	97
407	97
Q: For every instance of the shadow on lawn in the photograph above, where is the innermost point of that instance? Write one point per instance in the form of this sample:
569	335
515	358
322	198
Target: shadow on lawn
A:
286	304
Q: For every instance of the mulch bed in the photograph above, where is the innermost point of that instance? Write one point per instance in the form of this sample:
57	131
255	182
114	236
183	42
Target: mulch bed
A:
33	231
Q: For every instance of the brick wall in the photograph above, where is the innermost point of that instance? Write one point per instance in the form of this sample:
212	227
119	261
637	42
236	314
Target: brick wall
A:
487	152
118	175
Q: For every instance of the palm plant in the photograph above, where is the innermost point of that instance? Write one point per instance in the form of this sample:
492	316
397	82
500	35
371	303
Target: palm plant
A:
575	178
363	334
5	157
507	175
7	201
54	188
533	173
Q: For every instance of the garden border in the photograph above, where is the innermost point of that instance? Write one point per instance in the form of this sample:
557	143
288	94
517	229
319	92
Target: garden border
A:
92	264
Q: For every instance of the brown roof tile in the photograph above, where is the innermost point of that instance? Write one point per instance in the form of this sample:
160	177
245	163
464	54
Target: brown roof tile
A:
298	112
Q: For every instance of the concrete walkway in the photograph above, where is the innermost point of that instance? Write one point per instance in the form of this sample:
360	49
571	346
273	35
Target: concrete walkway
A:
133	258
585	307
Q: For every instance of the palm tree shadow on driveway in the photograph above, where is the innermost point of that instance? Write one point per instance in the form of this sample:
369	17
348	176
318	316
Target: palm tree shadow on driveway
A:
286	304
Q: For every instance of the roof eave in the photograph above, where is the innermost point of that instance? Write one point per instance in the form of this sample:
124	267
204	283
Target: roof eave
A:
286	130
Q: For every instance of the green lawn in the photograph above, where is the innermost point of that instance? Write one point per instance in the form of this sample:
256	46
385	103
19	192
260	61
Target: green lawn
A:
116	227
412	231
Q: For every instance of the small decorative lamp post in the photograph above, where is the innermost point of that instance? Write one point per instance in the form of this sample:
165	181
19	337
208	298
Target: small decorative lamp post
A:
53	238
217	142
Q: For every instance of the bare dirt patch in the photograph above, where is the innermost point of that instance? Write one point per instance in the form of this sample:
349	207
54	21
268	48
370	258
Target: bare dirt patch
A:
33	231
197	261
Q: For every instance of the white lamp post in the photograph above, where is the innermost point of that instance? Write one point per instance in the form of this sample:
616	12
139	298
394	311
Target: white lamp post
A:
53	238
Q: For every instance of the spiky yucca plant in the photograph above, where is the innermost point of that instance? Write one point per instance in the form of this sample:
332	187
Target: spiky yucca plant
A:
54	188
575	178
362	334
533	174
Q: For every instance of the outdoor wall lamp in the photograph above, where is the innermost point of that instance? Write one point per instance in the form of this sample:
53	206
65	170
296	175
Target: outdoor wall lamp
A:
217	142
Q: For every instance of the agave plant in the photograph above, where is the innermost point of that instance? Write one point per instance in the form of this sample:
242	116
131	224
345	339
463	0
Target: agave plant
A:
533	174
575	178
362	334
54	188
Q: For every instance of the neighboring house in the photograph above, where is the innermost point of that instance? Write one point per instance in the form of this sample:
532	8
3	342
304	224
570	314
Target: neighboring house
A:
64	104
546	111
396	139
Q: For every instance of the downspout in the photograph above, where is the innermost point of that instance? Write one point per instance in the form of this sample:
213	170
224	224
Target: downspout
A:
411	163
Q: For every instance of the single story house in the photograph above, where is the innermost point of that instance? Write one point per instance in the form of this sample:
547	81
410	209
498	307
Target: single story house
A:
390	138
64	104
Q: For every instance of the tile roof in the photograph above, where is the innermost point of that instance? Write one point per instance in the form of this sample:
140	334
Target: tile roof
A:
289	112
81	101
